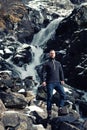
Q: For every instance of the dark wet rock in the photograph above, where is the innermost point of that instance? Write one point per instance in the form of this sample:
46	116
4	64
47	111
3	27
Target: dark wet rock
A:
66	126
82	107
22	56
25	35
41	93
77	1
6	67
70	117
58	123
12	100
85	124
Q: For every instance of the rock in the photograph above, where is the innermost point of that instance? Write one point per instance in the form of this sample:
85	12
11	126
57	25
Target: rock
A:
22	56
8	68
67	126
85	125
29	96
38	127
15	12
11	100
70	118
26	33
82	107
15	120
5	75
1	126
41	93
60	125
29	83
2	108
63	111
77	1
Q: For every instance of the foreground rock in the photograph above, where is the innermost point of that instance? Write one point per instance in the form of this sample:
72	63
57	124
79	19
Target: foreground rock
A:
16	121
23	111
2	108
13	100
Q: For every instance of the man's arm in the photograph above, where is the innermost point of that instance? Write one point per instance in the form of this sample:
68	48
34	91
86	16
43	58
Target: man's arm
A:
44	75
61	74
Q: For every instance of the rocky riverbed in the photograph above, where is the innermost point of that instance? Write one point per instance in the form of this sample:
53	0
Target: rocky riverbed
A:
22	109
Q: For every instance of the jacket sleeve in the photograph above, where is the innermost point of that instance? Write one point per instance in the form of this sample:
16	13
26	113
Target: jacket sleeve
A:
61	73
44	72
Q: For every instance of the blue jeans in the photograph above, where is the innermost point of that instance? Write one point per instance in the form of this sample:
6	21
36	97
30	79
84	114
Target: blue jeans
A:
57	86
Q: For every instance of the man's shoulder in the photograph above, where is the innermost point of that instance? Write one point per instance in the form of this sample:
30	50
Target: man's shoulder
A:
57	62
46	62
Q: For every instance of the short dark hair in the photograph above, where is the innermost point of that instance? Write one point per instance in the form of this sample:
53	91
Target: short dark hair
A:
51	50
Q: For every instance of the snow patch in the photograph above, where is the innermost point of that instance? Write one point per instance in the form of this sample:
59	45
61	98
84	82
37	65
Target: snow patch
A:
35	108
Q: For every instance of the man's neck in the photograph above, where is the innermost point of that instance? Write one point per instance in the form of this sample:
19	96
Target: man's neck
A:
52	58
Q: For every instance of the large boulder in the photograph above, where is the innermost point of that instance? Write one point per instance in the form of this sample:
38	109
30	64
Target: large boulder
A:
13	100
62	122
15	120
67	126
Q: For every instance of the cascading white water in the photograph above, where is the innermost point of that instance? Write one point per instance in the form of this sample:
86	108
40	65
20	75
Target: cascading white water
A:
46	33
39	40
30	69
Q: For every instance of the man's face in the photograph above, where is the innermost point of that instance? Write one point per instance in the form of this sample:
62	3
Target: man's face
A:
52	54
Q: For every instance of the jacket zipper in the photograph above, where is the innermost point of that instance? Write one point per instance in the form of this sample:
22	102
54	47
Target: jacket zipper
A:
54	64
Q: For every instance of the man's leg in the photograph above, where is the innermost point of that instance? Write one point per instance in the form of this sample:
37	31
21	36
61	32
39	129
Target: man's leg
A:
61	91
50	87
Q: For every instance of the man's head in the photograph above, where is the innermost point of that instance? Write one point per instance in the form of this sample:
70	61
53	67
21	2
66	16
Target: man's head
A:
52	54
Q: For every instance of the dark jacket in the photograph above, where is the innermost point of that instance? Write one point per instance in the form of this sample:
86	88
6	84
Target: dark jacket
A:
52	71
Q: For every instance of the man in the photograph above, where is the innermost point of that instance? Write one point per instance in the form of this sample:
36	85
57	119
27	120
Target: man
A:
53	78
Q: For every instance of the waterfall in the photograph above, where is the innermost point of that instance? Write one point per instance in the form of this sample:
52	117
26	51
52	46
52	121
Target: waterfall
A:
38	41
46	33
30	69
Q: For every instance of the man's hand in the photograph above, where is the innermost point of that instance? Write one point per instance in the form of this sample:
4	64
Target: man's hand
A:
44	84
62	82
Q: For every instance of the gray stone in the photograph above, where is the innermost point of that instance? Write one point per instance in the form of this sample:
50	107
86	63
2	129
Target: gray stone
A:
85	125
2	108
1	126
12	100
66	126
17	121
